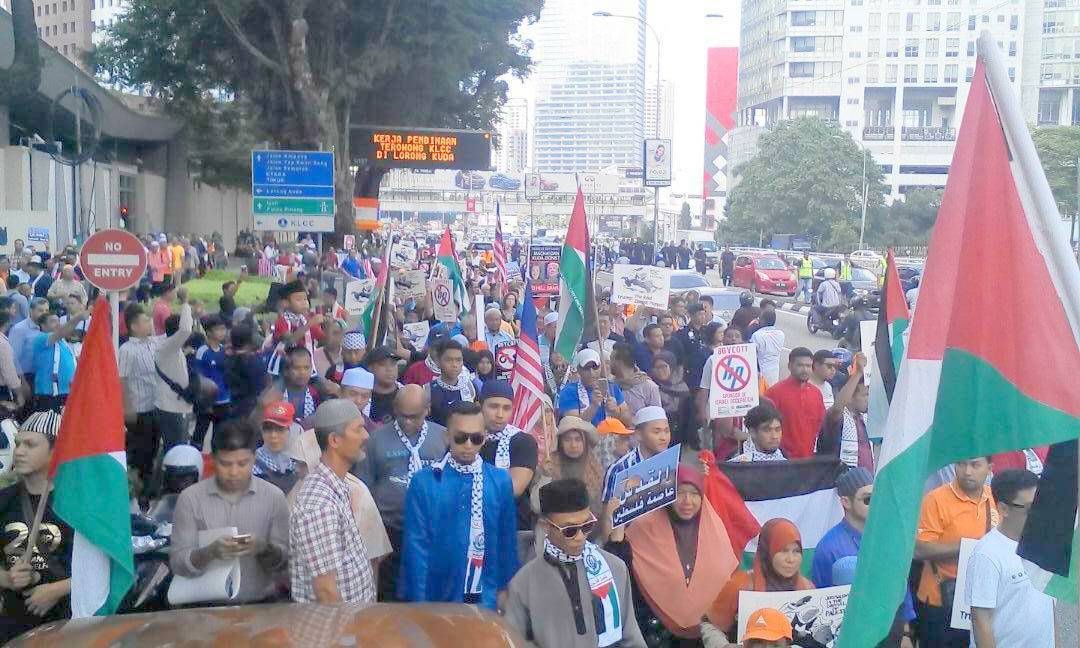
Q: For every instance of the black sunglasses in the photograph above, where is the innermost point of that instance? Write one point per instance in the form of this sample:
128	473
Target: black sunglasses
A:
572	530
476	438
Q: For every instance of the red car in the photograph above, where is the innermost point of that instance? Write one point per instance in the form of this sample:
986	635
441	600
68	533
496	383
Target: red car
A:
765	273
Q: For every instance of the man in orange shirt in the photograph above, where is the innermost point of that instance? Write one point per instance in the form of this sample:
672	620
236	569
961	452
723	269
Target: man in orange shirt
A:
176	249
963	508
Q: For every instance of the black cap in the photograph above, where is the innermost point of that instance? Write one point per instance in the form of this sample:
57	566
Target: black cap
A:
564	496
696	307
290	288
379	354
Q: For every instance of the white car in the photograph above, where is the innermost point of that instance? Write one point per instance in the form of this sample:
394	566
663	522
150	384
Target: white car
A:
725	300
866	259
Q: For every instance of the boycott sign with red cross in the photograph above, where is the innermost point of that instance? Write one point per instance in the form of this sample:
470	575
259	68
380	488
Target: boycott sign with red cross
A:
113	260
734	388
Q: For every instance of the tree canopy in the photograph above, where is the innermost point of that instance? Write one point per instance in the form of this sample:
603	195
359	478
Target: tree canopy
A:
298	73
1059	152
806	179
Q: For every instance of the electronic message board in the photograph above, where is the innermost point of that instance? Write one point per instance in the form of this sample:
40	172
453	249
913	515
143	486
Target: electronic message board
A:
421	148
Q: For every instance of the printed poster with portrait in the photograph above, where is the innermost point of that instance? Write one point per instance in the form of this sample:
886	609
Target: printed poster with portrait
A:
544	269
657	172
816	615
357	294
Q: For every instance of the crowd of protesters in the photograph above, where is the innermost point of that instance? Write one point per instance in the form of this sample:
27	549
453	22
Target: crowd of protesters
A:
359	470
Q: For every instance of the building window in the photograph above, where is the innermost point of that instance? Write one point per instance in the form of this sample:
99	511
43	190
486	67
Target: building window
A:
971	48
872	73
932	47
930	74
933	22
1012	48
1014	22
802	69
65	28
911	74
971	23
952	47
894	22
911	22
951	73
873	48
854	80
892	48
874	22
855	29
803	18
853	101
969	73
802	43
1012	74
890	73
952	22
911	48
63	5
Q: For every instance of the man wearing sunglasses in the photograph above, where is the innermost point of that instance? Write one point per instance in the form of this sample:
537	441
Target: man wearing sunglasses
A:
460	530
841	545
573	578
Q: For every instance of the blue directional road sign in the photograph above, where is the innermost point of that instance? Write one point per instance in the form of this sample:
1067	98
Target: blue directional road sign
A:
293	175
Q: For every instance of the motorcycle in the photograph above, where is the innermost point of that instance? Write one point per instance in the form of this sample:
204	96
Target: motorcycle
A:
821	319
150	537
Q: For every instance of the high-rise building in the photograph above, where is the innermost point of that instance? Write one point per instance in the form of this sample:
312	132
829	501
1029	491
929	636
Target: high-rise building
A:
1051	69
589	78
666	98
894	75
64	25
104	14
512	155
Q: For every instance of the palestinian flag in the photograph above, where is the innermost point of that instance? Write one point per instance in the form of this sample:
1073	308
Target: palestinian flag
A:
964	389
574	280
378	308
1050	539
448	259
888	351
89	475
803	491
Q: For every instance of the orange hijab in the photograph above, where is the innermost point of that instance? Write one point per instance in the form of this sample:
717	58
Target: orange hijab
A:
659	573
775	535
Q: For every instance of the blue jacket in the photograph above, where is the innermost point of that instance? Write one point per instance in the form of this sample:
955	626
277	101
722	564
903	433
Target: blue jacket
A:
436	536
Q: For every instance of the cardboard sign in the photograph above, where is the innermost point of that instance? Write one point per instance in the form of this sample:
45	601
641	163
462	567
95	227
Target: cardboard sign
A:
358	294
544	269
348	241
734	387
815	615
641	285
646	486
442	299
961	610
410	284
416	333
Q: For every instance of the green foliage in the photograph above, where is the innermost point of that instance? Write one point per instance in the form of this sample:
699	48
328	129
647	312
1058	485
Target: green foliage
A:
1059	151
24	75
806	179
907	222
207	289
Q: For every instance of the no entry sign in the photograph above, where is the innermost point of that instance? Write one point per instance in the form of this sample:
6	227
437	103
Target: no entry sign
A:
113	260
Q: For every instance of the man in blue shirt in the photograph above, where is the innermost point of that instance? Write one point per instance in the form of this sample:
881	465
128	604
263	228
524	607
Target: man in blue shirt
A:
587	399
53	360
22	334
210	361
839	546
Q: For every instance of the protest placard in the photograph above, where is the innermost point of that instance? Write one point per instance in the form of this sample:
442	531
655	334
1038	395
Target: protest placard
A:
815	615
348	242
734	388
544	269
410	284
357	294
416	333
641	285
442	299
961	611
646	486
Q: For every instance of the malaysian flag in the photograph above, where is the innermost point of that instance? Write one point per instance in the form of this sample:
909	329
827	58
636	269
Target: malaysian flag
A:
500	250
527	378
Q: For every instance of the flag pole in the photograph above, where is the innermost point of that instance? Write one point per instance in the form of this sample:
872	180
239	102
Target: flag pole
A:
35	528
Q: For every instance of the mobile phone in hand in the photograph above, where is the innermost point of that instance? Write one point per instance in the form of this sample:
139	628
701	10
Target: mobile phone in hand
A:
243	538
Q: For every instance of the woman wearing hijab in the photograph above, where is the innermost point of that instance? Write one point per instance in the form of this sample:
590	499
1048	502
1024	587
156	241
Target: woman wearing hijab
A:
776	569
273	462
482	364
575	457
681	559
675	397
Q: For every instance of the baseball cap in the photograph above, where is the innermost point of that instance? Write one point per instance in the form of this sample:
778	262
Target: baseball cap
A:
280	414
585	356
611	426
551	318
767	624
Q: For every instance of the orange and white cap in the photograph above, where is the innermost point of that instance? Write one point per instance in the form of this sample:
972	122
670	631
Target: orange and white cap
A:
767	624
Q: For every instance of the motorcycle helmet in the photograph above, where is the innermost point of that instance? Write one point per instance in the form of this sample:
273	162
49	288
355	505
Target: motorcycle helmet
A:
746	299
182	467
830	273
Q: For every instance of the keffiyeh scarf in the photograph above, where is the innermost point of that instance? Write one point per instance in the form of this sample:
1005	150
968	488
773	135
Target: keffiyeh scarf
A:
277	463
474	565
416	464
502	448
606	605
849	439
464	385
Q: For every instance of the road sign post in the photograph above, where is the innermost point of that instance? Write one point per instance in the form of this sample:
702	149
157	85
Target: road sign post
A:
293	190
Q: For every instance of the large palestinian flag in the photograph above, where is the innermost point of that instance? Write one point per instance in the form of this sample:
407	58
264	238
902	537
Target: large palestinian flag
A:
447	258
888	351
89	473
996	264
803	491
1050	541
574	282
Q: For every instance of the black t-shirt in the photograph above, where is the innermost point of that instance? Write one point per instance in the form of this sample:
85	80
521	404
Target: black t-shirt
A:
52	558
382	406
523	454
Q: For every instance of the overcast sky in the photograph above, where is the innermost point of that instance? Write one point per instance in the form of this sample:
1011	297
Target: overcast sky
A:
685	35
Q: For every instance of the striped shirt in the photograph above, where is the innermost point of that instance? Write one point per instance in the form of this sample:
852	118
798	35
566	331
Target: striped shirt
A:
136	362
9	373
323	539
629	459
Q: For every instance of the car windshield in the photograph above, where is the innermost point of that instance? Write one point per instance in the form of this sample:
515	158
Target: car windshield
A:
687	281
728	301
708	246
862	274
770	263
482	246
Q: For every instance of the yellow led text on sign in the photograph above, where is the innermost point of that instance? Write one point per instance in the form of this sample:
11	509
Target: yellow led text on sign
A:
414	147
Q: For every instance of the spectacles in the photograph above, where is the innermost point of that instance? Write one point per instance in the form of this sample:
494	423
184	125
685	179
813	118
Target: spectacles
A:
572	530
477	438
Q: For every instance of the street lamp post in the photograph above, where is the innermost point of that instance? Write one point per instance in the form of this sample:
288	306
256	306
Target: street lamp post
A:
865	188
